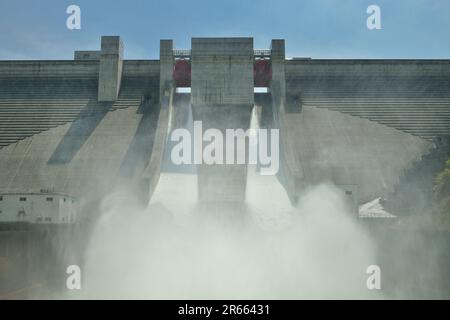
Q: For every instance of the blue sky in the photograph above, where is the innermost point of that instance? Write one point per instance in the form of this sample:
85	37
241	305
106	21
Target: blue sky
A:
312	28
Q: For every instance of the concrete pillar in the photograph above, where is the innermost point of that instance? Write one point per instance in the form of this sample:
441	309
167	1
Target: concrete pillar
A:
222	98
277	56
223	183
222	71
110	73
290	173
290	100
165	71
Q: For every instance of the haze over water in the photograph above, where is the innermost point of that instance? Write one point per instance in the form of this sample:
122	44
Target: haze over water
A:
165	251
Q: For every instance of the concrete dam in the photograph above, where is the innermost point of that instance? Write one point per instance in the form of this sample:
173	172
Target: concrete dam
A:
74	132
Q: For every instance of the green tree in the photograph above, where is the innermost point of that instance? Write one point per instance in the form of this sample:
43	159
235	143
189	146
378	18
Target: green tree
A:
442	192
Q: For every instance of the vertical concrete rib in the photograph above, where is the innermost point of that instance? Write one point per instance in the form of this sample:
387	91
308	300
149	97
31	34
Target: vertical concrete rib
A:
165	71
222	98
110	73
290	174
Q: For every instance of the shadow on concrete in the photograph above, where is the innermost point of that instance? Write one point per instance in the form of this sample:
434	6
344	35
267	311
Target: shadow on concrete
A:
140	150
79	132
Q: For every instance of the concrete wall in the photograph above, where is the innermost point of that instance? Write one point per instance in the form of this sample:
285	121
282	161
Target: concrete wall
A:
49	68
222	71
85	158
93	55
91	171
143	68
408	68
74	68
329	146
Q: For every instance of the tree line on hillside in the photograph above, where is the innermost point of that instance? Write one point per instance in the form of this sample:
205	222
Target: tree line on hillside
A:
442	193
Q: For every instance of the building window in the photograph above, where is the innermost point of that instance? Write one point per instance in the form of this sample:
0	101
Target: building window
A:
48	219
64	199
23	199
349	193
1	198
39	219
49	199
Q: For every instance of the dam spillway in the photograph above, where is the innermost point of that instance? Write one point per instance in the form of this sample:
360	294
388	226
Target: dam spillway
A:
57	105
74	132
